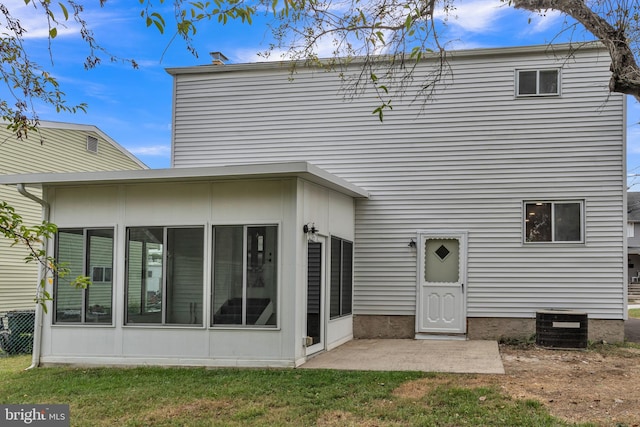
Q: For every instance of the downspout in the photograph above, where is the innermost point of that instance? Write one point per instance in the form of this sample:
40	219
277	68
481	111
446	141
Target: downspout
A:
42	273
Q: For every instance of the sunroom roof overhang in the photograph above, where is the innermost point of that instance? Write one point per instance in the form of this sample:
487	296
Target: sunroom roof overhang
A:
302	170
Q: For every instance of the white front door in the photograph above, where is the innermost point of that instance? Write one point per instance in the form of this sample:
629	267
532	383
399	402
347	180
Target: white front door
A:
441	302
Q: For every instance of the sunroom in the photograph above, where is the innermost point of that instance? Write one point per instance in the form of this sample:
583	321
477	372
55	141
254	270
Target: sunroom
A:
218	266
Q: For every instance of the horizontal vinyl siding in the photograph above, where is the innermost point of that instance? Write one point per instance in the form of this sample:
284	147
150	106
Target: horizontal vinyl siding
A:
466	162
61	150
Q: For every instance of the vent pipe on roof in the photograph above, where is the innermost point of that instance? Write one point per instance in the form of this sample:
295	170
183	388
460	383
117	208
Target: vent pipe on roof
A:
218	58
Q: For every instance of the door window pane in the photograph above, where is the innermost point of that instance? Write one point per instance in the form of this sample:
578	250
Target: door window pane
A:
442	260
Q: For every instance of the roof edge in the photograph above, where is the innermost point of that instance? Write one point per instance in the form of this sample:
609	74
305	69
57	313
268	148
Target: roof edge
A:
286	64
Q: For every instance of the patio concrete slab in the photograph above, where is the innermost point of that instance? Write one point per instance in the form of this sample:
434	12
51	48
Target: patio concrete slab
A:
473	357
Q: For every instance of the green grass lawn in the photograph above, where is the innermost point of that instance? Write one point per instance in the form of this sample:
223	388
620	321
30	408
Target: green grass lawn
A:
634	312
259	397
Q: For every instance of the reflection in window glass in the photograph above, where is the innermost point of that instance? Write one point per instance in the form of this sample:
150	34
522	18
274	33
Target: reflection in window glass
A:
245	275
84	252
538	82
527	82
553	222
549	81
164	275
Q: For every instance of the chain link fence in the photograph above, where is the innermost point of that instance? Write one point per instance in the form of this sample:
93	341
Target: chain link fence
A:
16	332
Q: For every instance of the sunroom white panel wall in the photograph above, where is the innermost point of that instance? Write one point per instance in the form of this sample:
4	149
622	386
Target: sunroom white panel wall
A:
466	161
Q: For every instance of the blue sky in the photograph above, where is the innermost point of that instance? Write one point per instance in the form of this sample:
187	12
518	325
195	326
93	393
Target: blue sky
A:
134	106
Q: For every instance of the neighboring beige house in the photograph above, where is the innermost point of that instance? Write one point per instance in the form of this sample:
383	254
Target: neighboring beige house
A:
56	147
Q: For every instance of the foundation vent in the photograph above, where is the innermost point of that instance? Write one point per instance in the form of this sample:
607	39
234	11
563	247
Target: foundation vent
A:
561	329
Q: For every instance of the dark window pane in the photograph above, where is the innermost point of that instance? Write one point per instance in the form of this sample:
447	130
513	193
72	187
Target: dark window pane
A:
100	260
227	275
527	82
567	222
347	277
538	222
67	299
314	281
336	258
185	263
549	82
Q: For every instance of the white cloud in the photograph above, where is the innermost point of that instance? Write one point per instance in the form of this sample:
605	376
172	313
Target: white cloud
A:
474	15
151	150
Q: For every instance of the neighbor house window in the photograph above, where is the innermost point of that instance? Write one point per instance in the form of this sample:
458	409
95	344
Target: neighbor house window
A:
341	287
538	82
559	221
84	252
164	275
245	276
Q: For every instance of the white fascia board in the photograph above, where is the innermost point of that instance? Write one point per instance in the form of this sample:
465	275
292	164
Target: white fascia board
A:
289	64
301	170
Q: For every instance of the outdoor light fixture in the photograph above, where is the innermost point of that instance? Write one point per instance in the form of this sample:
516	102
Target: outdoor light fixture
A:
309	228
412	243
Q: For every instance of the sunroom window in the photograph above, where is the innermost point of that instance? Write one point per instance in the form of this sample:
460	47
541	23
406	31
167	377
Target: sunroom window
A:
85	252
538	82
341	287
164	275
245	276
555	221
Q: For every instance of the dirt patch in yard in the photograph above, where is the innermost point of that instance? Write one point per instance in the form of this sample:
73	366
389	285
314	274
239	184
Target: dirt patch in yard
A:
600	385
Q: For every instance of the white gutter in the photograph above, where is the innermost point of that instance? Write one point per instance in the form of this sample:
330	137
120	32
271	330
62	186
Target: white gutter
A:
42	274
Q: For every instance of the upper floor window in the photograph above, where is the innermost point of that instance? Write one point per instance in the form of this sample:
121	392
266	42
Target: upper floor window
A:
538	82
245	276
85	252
164	275
558	221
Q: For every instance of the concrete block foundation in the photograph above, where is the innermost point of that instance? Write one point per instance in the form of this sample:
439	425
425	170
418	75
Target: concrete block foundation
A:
478	328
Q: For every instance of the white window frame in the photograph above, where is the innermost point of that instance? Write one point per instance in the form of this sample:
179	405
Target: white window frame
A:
553	203
537	94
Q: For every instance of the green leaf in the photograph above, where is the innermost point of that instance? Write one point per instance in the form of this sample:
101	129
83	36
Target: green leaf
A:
53	32
65	12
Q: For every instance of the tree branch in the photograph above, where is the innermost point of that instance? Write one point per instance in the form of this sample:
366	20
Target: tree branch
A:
625	74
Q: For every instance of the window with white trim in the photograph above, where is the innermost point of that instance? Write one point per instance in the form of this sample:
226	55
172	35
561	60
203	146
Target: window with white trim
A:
164	275
553	221
245	276
84	252
341	287
545	82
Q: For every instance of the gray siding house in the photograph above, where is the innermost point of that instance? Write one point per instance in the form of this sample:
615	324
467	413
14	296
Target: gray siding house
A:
301	221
